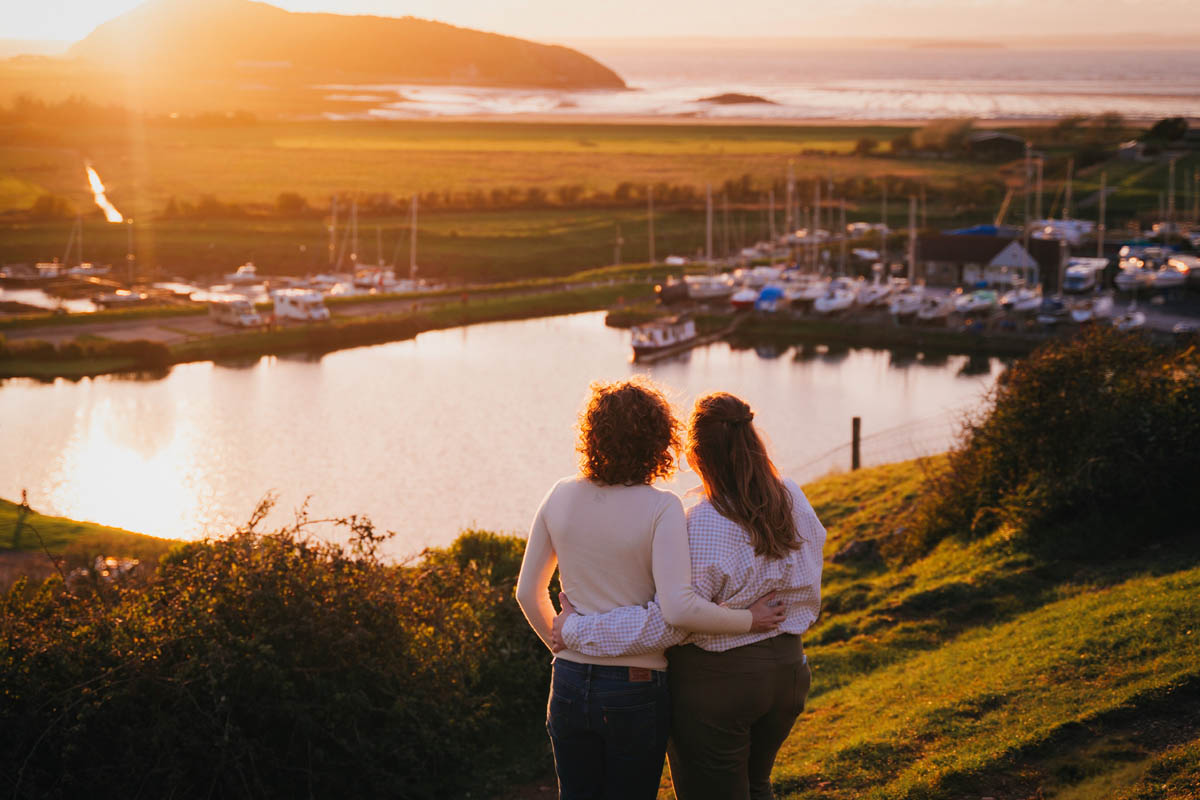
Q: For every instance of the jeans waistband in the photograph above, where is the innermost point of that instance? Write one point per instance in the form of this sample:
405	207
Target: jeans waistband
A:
606	672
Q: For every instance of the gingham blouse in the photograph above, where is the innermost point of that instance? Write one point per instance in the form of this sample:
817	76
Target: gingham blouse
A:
726	570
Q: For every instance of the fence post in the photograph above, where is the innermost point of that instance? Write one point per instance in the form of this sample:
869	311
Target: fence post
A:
855	443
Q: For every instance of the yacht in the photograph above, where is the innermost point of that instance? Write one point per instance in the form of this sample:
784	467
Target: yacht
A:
840	296
1131	320
1082	274
936	309
703	288
247	273
906	303
744	298
1022	299
1091	308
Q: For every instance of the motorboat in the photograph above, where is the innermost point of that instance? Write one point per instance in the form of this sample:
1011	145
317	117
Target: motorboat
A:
703	288
1052	311
840	296
1133	278
771	298
1091	308
120	298
1131	320
757	276
806	295
1082	274
671	291
246	274
875	293
744	298
907	302
1022	300
977	302
1169	276
88	270
936	309
662	334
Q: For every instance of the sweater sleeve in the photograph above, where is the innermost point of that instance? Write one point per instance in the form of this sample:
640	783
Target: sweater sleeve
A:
671	562
627	631
533	592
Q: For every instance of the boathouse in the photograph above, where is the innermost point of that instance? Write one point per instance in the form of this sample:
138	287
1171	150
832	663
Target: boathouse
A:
967	259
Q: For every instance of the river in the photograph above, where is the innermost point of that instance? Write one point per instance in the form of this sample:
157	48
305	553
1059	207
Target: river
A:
457	428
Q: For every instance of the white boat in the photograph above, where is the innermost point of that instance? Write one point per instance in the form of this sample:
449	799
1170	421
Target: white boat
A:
377	278
1168	277
708	287
744	298
1082	274
323	282
1132	278
87	270
1022	300
1131	320
757	276
814	288
1091	308
119	298
977	302
907	302
247	273
936	309
304	305
840	296
661	334
1052	311
876	293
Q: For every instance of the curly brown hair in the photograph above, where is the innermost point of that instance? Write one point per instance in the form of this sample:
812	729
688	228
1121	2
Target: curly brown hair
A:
628	434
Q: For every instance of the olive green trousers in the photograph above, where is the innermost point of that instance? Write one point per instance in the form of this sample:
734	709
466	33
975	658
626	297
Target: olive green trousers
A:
730	712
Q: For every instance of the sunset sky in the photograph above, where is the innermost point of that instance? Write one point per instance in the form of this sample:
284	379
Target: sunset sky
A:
568	19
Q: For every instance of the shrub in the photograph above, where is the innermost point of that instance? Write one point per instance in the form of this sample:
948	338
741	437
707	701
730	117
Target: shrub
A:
270	664
1097	437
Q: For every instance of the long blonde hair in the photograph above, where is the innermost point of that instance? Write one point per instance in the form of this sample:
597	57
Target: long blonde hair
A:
739	478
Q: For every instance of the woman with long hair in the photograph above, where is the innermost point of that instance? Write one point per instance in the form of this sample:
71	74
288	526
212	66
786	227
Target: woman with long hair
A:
618	541
734	696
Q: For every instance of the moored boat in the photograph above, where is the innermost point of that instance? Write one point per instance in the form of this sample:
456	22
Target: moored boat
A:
662	334
840	296
246	274
744	298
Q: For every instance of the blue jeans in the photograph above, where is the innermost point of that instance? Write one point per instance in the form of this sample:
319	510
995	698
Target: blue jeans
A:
609	728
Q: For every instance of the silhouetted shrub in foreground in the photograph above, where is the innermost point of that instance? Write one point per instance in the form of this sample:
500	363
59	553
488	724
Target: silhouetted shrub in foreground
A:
1096	438
269	665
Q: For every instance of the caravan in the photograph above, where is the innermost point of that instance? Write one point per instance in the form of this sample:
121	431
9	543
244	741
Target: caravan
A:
303	305
234	310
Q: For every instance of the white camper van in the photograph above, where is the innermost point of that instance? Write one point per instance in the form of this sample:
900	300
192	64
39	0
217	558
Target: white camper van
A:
304	305
236	311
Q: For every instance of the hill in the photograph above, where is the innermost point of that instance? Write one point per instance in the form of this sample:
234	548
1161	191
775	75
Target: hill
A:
201	39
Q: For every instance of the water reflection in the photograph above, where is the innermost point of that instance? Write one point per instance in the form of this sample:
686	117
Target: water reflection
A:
427	436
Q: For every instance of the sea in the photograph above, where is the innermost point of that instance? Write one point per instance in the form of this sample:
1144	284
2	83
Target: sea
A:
805	82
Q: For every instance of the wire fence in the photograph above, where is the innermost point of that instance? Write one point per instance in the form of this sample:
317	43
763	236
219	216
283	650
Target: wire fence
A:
918	438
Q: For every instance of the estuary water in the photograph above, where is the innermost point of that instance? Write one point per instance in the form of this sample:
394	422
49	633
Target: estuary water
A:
837	84
457	428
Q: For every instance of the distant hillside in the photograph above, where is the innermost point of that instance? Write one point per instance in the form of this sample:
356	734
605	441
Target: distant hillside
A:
219	38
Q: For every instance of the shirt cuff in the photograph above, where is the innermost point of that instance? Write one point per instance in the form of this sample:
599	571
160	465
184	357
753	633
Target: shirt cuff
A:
568	631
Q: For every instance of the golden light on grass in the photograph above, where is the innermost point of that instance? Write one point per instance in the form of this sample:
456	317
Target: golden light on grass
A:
110	211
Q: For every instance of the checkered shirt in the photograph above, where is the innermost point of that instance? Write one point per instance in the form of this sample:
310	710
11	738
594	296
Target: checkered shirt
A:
726	570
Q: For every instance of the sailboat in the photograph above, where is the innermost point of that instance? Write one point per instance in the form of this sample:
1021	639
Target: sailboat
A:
84	269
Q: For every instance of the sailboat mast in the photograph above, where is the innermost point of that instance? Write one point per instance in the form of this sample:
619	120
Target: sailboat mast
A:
412	242
354	234
1037	207
332	231
1070	180
708	220
650	219
1171	192
816	222
883	230
912	238
842	235
1101	226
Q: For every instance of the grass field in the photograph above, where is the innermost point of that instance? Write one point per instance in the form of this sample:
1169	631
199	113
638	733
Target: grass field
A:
143	165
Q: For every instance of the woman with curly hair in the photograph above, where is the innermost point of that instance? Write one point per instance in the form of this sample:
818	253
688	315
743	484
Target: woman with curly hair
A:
618	541
734	696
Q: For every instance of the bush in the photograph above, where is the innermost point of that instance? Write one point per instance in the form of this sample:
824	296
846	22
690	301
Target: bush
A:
1097	436
270	664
